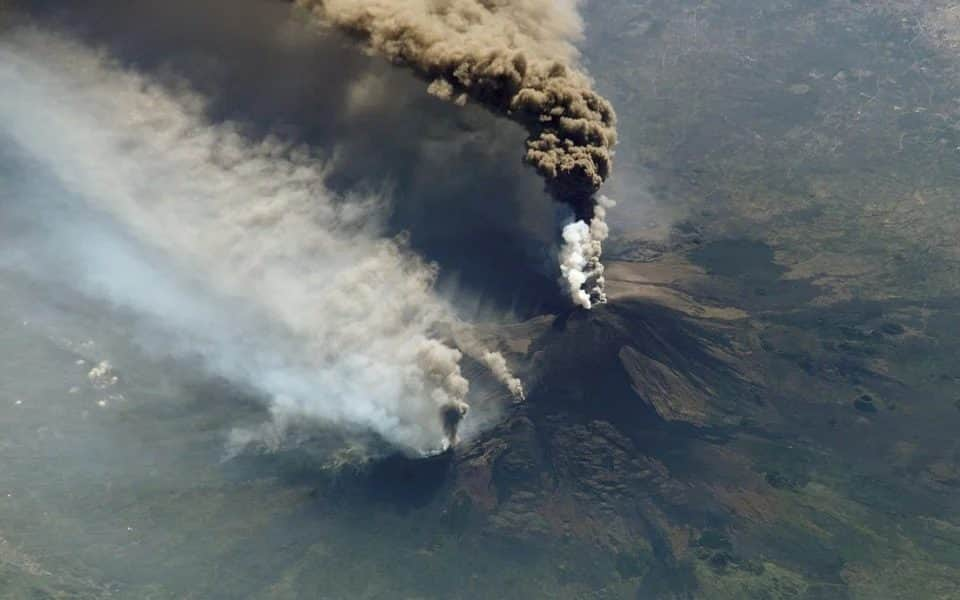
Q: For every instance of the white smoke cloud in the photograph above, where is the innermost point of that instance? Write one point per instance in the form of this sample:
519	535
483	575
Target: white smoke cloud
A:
580	254
234	250
101	375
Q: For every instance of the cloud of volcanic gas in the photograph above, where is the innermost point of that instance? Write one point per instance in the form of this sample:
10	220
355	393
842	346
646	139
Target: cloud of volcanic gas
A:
234	251
517	58
269	69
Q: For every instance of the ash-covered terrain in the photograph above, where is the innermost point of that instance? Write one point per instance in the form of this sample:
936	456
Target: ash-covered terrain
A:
767	406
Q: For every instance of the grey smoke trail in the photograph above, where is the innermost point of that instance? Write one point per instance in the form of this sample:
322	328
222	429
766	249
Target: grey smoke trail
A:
467	341
498	366
518	58
236	250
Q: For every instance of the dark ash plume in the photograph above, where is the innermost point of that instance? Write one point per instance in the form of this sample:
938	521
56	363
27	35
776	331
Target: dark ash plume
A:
517	58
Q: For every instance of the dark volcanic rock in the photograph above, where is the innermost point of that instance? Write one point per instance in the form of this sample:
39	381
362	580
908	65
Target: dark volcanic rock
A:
891	328
865	404
640	365
584	481
580	457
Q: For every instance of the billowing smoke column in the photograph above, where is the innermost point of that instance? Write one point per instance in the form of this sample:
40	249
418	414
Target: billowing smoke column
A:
515	57
234	252
441	366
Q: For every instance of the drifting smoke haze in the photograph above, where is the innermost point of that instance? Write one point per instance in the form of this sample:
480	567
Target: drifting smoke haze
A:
176	172
235	252
452	173
517	58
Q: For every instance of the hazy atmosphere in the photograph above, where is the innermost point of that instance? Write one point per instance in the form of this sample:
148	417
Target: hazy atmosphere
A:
383	299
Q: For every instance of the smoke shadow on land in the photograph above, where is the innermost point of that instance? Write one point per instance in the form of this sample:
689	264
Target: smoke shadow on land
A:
455	175
405	482
396	480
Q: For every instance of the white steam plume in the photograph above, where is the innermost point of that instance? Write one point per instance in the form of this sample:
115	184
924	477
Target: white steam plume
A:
233	250
580	253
